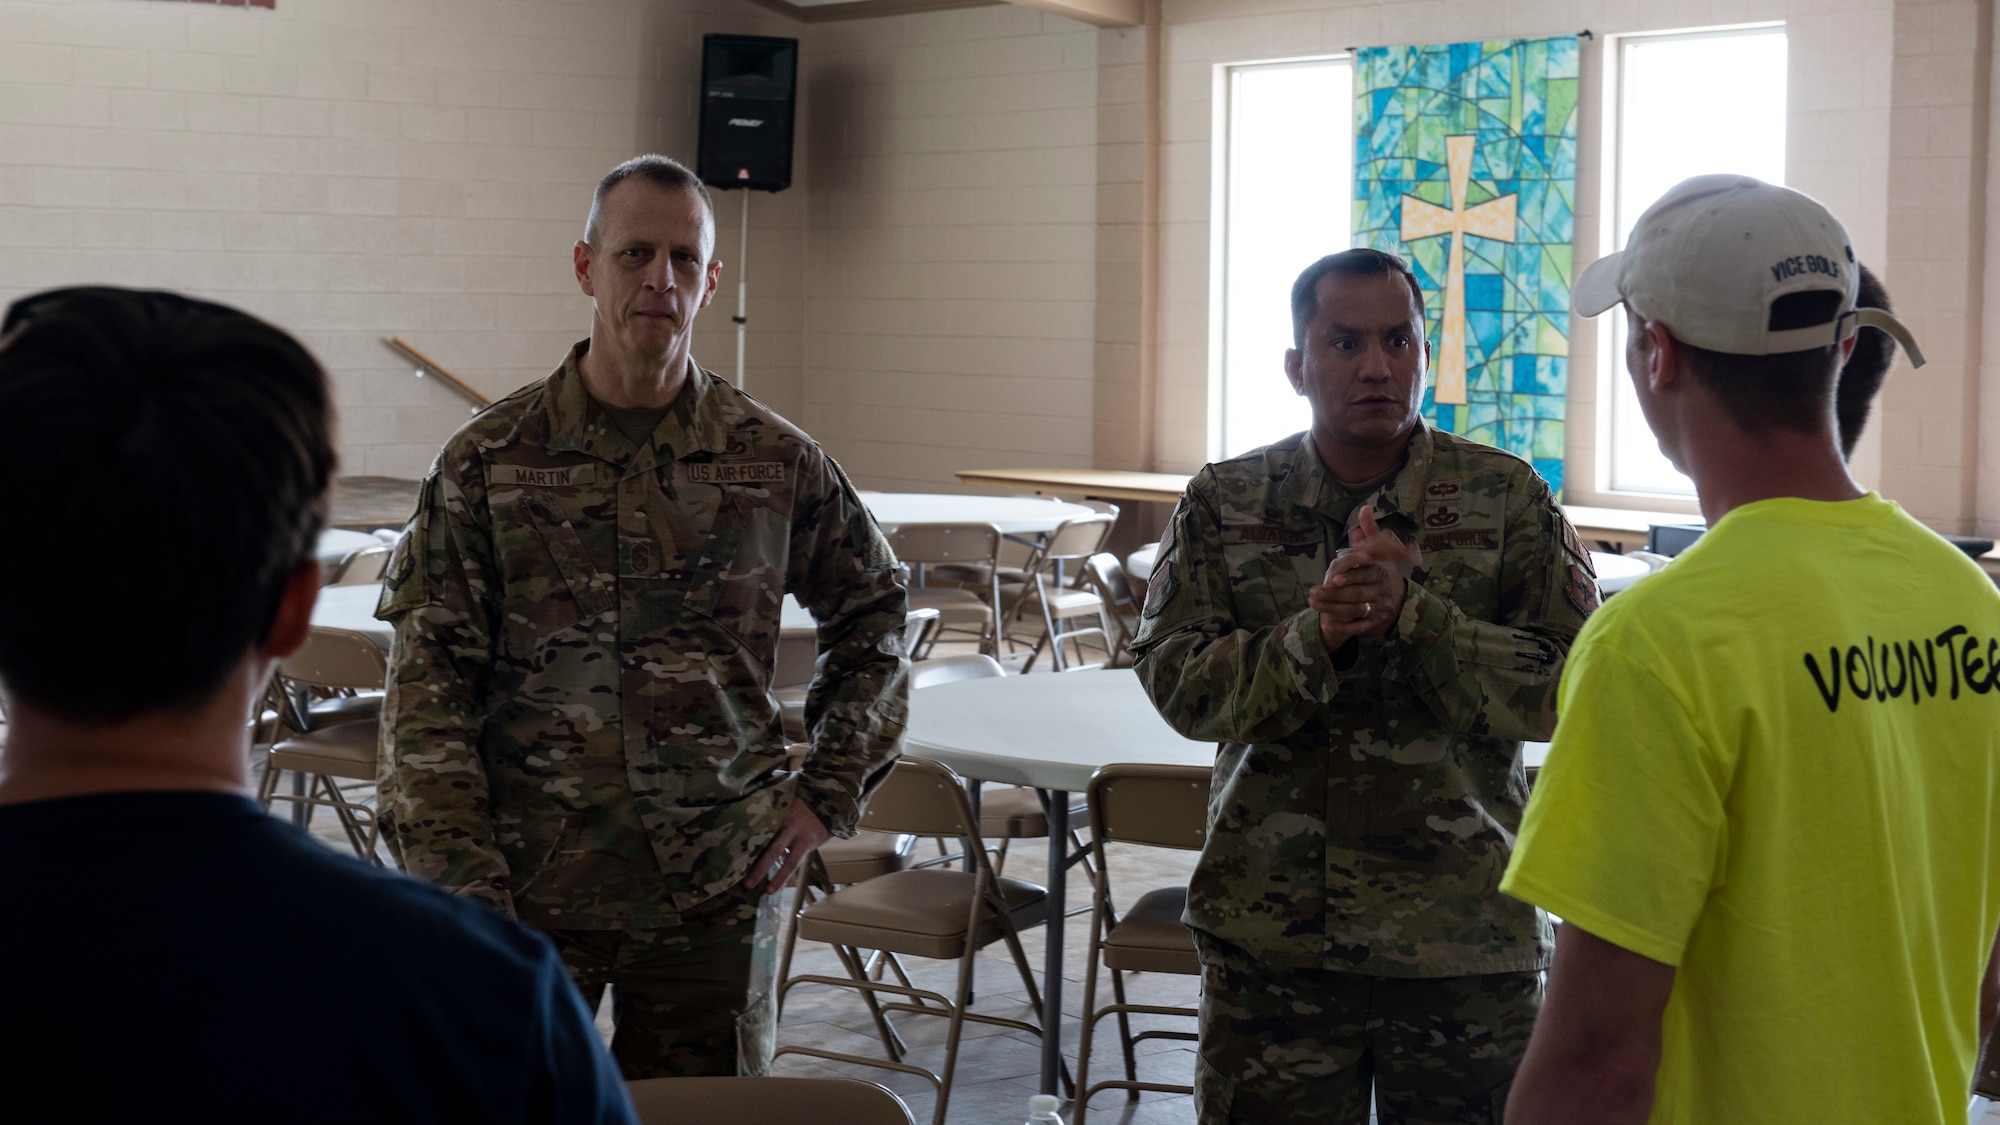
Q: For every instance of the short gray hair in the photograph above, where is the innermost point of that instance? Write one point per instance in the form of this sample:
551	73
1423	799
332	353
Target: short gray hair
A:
660	171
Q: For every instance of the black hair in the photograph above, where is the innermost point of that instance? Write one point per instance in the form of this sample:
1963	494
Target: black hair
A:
1358	262
1867	365
167	462
1788	390
660	171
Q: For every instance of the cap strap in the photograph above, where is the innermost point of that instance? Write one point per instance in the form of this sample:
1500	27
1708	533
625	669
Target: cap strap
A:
1843	326
1880	318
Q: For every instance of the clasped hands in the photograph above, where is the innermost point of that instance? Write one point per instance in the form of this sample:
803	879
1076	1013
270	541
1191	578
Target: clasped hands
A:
1362	594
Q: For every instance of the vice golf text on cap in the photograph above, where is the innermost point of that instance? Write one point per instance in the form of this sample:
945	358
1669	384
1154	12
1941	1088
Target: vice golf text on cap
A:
1711	255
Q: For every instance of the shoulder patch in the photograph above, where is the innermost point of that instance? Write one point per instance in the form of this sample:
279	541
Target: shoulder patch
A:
401	562
1577	551
1160	588
1581	589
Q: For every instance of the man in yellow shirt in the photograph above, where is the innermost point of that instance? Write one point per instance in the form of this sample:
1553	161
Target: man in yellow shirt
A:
1770	818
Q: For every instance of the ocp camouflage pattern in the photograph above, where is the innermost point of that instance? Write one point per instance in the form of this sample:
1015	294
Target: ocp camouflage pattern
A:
579	726
1363	811
1312	1046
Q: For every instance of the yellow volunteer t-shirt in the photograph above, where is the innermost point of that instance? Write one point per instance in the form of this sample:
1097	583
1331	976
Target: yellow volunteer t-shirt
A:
1778	768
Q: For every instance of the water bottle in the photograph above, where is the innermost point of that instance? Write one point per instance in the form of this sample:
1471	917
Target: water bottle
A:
1042	1110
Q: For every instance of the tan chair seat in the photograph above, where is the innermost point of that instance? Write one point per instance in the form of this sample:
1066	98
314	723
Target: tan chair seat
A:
765	1101
346	708
1151	938
917	912
341	750
1063	602
1015	813
952	603
869	855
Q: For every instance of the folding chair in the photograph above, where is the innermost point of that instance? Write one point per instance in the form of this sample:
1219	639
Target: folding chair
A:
1164	807
329	747
1104	574
922	544
765	1101
1049	588
928	912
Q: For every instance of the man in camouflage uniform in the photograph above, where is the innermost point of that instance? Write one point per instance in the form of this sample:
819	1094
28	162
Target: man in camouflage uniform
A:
579	728
1369	618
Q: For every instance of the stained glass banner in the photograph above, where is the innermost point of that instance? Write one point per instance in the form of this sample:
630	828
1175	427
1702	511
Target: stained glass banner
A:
1465	164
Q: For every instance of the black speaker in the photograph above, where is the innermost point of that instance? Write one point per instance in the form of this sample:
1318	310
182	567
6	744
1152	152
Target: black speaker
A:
748	87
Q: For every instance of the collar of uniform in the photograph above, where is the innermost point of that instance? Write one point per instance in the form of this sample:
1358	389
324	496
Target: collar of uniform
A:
694	423
1310	485
1404	494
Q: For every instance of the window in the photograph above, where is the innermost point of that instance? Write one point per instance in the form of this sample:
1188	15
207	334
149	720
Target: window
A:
1686	104
1285	197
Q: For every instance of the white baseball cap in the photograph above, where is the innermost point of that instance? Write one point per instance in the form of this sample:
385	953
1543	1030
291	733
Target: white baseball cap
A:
1709	257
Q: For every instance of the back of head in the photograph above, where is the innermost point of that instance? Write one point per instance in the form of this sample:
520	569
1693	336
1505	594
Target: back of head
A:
1758	283
167	462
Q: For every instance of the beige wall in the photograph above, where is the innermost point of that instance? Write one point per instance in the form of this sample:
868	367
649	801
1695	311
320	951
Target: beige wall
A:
354	169
951	252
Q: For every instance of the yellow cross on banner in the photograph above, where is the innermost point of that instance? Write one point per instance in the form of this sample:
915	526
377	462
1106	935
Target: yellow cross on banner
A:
1493	219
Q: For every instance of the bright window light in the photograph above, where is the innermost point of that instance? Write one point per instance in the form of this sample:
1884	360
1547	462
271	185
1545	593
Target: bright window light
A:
1289	188
1688	104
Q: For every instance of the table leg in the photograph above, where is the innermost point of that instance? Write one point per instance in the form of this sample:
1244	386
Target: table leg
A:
1052	963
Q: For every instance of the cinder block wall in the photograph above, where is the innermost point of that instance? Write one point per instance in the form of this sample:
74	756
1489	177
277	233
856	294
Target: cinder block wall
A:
353	169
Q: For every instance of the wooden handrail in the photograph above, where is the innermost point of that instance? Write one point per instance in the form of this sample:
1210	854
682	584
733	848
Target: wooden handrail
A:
426	363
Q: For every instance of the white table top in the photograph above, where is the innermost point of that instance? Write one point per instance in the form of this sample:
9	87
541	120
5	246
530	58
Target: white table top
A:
335	545
1139	564
1013	515
1050	730
353	608
1616	572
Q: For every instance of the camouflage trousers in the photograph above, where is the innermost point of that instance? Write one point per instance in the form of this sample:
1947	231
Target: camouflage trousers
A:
1306	1045
675	993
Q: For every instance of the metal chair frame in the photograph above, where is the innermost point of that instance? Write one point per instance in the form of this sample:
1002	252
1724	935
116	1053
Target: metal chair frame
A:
925	798
1177	818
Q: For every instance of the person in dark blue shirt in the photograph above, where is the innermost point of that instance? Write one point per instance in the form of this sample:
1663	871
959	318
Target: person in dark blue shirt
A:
167	950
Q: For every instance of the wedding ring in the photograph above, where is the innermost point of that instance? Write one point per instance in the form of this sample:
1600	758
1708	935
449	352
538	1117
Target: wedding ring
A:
1367	608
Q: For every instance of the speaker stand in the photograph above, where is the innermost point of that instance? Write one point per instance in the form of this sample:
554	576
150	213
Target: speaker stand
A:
742	317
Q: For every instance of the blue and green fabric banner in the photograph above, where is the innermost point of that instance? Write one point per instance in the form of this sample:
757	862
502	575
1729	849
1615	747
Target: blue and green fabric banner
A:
1465	164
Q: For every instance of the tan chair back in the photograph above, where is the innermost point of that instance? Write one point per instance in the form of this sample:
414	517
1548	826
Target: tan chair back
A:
1105	506
362	568
946	542
1106	575
338	658
1161	806
922	798
1078	538
951	669
765	1101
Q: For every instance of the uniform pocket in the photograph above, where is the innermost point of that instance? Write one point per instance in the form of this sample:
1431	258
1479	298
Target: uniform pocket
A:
1264	582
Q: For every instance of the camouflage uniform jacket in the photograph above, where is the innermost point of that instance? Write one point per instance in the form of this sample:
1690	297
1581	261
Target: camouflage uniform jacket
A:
579	726
1365	802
